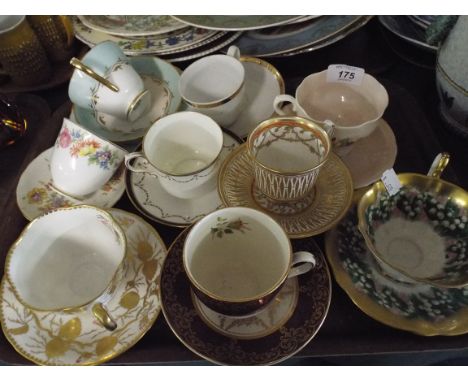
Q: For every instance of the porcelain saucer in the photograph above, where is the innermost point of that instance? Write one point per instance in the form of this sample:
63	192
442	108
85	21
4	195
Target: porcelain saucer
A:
258	340
35	194
317	213
75	338
161	79
418	308
371	156
150	199
263	83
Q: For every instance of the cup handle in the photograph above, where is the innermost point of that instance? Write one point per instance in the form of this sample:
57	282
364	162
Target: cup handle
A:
68	27
103	317
308	262
90	72
279	99
234	51
129	157
329	127
438	165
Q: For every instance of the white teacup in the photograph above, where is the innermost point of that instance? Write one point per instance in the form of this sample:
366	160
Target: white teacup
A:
237	259
105	81
183	149
353	109
214	86
81	162
68	259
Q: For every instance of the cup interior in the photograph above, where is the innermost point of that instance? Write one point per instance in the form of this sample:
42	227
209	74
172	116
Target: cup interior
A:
66	258
237	254
347	105
211	79
183	143
289	145
7	23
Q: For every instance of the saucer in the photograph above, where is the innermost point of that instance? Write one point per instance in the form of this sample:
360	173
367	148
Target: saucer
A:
216	343
418	308
371	156
75	338
329	200
161	79
151	200
35	196
263	83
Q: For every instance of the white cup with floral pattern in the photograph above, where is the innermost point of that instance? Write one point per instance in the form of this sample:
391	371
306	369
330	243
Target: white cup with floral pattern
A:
182	150
81	162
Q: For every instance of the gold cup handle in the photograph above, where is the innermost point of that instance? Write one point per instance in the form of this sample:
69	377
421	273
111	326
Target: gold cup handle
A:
103	317
68	26
90	72
438	165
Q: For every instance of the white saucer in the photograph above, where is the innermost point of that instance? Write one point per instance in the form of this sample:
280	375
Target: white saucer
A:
35	196
75	337
371	156
151	200
262	84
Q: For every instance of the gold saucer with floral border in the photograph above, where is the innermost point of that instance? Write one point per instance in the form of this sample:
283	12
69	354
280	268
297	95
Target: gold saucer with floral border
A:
35	194
317	213
75	338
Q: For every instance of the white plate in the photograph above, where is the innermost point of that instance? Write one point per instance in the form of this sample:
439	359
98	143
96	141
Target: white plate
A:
35	195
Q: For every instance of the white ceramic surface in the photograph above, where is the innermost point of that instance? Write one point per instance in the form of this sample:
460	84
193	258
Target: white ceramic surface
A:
81	162
262	84
66	258
35	194
354	109
215	86
184	149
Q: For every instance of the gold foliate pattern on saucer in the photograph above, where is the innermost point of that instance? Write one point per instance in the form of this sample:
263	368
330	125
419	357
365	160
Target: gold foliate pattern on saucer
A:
76	338
332	195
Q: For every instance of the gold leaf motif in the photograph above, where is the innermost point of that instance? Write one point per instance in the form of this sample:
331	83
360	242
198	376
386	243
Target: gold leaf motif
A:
56	347
144	250
105	345
149	269
70	330
21	330
129	300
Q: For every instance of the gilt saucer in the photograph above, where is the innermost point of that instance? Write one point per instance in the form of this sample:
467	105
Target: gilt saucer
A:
419	308
263	83
75	338
161	79
35	194
371	156
151	200
271	337
320	211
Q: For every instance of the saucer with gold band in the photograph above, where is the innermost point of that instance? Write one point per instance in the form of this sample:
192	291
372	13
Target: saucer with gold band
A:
75	338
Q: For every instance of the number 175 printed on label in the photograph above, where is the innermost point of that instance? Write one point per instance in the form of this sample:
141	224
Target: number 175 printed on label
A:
345	73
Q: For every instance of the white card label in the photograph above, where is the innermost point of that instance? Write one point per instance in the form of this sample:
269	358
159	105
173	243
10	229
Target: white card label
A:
345	73
391	181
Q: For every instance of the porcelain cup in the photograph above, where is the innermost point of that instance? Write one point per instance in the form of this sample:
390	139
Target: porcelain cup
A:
353	109
214	86
82	162
105	81
183	151
67	260
237	259
287	155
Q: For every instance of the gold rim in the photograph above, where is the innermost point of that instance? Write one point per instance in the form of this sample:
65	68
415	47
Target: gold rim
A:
135	102
209	105
371	196
380	313
267	293
77	64
37	361
9	255
461	89
306	124
269	67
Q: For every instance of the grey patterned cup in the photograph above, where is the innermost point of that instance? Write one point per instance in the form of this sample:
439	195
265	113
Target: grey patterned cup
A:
287	153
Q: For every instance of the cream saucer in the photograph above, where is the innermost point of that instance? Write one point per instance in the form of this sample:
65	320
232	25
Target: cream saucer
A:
75	338
161	79
263	83
35	196
151	200
320	211
371	156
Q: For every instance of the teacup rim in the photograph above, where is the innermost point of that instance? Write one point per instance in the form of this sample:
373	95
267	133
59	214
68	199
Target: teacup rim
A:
25	230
